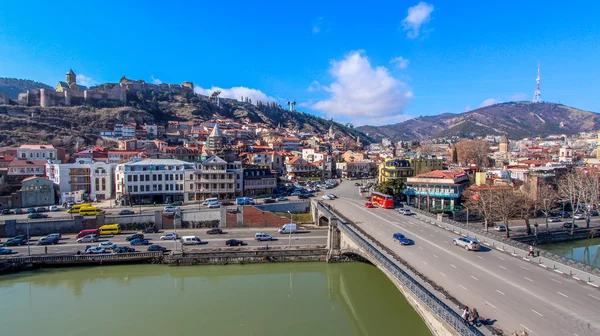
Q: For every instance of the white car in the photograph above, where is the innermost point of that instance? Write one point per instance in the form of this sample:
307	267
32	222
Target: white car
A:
214	205
95	250
469	244
171	209
88	239
326	197
107	245
53	208
554	219
170	236
332	196
579	216
500	228
261	236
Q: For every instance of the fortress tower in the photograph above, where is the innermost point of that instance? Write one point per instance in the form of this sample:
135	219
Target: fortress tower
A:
71	77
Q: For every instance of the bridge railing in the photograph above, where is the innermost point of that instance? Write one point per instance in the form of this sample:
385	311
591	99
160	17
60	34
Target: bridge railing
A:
82	257
436	305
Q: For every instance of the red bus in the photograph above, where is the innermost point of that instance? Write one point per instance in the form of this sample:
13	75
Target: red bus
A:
84	233
382	200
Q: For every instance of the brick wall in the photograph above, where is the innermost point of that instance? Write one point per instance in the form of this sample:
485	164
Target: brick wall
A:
254	217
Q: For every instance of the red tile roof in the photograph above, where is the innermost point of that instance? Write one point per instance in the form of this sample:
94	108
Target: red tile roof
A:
443	174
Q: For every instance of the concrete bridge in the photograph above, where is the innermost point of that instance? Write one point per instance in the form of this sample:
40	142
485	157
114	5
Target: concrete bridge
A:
347	242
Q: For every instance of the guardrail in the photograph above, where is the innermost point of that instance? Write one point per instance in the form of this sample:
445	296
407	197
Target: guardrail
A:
545	259
82	257
429	299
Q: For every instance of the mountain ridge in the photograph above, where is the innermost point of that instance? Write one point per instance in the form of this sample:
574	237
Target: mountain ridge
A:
514	119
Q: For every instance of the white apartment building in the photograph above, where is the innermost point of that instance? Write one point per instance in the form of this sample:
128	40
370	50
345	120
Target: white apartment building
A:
310	155
149	181
93	178
215	178
37	152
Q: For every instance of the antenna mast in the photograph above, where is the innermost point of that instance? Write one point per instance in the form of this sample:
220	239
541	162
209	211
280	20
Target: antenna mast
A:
291	105
537	94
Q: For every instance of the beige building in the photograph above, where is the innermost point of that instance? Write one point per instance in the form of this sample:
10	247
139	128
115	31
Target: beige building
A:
215	178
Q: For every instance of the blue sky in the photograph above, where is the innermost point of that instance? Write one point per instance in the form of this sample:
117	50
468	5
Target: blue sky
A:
368	64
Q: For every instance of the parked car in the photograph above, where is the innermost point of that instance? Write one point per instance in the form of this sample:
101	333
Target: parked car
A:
593	213
7	212
214	231
214	205
47	241
565	215
88	239
356	184
150	229
469	244
34	215
107	245
309	195
269	200
126	212
234	242
406	212
226	203
326	197
568	225
261	236
30	210
369	205
5	250
332	195
303	196
500	228
95	250
171	209
579	216
139	241
124	249
296	193
281	199
156	248
176	204
53	208
135	236
14	242
400	238
41	209
19	211
170	236
554	219
22	237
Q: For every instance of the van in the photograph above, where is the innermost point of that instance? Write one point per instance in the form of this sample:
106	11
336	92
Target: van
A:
190	240
90	211
76	207
110	229
210	201
288	228
244	201
84	233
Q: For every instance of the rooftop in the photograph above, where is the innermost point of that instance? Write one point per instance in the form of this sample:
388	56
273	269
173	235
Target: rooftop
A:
443	174
36	147
158	162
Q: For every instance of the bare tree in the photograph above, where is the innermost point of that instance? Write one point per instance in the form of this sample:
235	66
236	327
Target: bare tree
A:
507	205
473	151
546	198
589	183
569	190
480	199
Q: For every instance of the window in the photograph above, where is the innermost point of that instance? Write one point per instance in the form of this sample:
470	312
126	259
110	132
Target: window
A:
128	178
129	188
160	177
97	184
135	178
191	186
153	177
160	187
181	176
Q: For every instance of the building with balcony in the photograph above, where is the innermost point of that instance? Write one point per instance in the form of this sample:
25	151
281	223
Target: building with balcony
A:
356	169
214	178
297	167
150	181
122	156
259	181
18	170
393	169
215	142
94	178
436	190
37	152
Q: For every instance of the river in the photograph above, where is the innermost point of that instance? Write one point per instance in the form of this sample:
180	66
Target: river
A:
260	299
584	250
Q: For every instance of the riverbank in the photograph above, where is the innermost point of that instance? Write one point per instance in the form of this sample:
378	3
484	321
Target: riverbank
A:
190	256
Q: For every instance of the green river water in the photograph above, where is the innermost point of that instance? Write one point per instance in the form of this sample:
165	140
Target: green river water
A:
261	299
584	250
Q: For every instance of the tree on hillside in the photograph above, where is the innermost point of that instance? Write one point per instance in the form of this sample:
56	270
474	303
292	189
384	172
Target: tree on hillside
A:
473	152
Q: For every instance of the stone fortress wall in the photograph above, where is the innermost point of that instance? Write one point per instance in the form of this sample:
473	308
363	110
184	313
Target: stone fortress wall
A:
110	94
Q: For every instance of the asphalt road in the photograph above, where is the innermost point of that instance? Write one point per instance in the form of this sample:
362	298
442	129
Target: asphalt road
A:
69	244
515	293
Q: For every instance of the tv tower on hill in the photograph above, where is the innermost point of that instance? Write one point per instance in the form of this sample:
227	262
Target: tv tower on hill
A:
291	104
537	94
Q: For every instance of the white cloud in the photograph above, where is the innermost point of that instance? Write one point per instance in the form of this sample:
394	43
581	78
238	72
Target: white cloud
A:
518	96
400	62
467	108
417	16
361	92
314	86
316	28
156	80
85	80
489	101
237	92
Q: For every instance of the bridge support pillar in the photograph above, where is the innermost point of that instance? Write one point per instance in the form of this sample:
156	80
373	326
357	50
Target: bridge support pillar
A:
333	239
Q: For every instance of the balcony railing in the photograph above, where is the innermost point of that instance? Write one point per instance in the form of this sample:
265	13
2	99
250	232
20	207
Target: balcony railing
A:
231	180
431	194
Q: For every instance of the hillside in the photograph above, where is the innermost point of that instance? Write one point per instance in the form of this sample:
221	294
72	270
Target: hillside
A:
14	86
515	119
66	126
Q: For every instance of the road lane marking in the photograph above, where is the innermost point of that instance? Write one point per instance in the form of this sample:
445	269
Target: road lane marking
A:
556	281
442	274
491	305
526	328
463	287
453	266
474	277
525	268
537	313
502	267
435	256
500	292
528	279
480	257
420	247
410	253
563	294
595	297
432	235
499	257
424	263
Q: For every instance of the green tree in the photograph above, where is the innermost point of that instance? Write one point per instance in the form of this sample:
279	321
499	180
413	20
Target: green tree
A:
391	187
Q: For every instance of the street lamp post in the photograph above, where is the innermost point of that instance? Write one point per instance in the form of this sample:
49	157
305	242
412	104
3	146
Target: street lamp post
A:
28	246
290	235
467	216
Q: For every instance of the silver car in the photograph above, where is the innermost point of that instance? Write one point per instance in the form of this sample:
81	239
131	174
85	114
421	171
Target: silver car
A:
469	244
88	239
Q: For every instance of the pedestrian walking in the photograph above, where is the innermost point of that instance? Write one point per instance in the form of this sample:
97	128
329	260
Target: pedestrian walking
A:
465	314
45	249
475	317
267	247
531	250
524	333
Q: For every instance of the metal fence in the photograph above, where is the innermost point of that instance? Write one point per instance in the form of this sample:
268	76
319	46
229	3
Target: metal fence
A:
93	257
433	303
